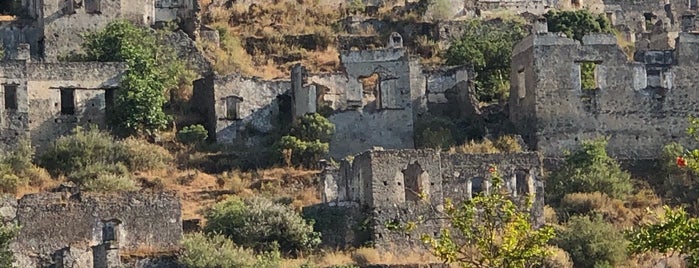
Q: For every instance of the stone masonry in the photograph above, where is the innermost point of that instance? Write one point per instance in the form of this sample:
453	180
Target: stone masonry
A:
399	186
639	105
64	229
42	101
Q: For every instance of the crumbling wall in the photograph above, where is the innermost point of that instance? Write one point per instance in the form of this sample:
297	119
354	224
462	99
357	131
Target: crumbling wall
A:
14	33
397	187
92	84
256	111
640	107
55	222
387	120
14	121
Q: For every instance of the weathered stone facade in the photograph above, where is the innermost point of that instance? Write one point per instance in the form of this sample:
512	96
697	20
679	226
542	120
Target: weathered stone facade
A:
366	114
54	28
90	230
399	186
42	101
640	106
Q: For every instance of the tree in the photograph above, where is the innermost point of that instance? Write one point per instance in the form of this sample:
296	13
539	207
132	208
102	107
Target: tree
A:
308	140
578	23
493	231
488	46
676	233
589	170
152	70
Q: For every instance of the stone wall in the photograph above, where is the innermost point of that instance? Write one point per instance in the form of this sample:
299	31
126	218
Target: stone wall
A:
61	226
37	111
400	186
639	106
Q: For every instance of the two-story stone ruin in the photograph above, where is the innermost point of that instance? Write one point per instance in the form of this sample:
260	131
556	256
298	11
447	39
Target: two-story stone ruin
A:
640	105
365	196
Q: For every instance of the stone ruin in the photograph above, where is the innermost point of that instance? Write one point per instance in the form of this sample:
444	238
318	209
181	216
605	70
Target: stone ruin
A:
364	196
640	105
74	229
374	102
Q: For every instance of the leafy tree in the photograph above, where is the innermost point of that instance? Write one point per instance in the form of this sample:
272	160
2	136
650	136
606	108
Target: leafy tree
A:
153	69
7	234
676	233
578	23
592	242
588	170
309	140
261	224
493	231
488	46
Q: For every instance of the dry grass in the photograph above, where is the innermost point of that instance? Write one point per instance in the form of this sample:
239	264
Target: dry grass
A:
368	256
503	144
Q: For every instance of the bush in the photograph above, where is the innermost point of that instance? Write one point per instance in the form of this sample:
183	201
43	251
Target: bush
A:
435	132
7	234
110	183
201	251
558	259
17	169
578	23
140	155
591	242
312	127
612	210
92	172
259	223
80	150
308	141
192	134
588	170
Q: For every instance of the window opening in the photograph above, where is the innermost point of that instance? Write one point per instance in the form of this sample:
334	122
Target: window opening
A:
67	101
10	97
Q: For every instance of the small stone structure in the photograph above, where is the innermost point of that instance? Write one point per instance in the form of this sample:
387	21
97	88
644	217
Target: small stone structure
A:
365	196
639	105
63	229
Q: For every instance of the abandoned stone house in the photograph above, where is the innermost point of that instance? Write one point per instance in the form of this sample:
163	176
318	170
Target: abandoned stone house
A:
42	101
640	105
54	28
73	229
363	197
365	114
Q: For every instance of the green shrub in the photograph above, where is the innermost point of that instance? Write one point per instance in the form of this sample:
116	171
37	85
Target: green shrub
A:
588	170
308	141
592	242
110	183
9	182
311	127
7	234
192	134
434	132
202	251
92	172
259	223
578	23
80	150
140	155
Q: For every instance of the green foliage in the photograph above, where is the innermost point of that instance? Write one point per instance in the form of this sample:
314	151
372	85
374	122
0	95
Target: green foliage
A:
434	132
588	170
488	46
192	134
493	231
676	233
80	150
7	234
308	141
587	75
109	183
261	224
140	155
313	127
355	7
202	251
153	69
592	242
578	23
